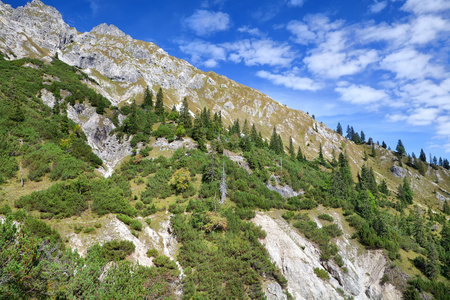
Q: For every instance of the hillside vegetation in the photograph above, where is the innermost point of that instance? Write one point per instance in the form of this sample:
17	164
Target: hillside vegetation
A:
211	198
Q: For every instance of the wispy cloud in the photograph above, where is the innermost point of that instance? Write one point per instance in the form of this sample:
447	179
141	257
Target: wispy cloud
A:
205	23
298	3
361	94
94	6
377	6
429	6
290	80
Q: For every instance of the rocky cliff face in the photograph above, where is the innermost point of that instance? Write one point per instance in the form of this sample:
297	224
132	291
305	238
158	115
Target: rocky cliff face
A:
297	257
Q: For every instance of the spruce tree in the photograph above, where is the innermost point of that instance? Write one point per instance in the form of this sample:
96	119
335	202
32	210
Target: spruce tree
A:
422	156
400	148
300	154
147	104
383	144
159	105
185	117
339	128
245	129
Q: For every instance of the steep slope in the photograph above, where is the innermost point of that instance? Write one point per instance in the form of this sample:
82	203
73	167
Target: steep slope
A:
123	67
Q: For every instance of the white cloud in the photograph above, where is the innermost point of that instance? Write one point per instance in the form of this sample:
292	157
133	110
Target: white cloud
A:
425	29
296	2
396	117
334	64
200	50
426	6
361	94
301	32
205	22
251	31
410	64
429	93
260	52
290	80
377	6
94	5
423	116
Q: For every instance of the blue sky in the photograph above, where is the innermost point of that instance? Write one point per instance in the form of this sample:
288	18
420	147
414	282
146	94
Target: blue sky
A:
381	66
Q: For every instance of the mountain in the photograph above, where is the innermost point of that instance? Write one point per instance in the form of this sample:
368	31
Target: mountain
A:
119	69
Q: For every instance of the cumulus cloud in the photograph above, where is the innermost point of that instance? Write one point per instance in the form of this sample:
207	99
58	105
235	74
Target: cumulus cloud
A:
290	80
204	53
428	6
423	116
250	30
249	51
302	33
204	22
410	64
361	94
376	7
261	52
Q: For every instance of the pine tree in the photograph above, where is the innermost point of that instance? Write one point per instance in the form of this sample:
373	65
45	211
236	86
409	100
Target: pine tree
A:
422	156
400	148
65	124
300	154
383	144
236	129
383	188
185	117
291	148
159	105
339	128
245	129
320	158
363	137
147	104
273	144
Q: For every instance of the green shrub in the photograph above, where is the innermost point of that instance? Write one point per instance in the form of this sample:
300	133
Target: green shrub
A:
136	225
89	229
98	225
152	253
338	260
148	221
139	205
332	230
326	217
321	273
124	218
5	209
115	250
77	228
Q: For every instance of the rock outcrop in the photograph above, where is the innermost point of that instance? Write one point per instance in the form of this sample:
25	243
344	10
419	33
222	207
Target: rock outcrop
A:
297	258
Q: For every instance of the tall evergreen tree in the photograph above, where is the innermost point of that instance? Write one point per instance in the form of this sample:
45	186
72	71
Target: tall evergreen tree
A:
185	117
245	129
400	148
383	144
300	156
422	156
363	137
159	104
147	104
320	158
339	128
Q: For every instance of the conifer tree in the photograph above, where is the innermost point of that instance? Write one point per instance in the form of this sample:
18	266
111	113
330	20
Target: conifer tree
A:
147	104
159	104
245	129
300	154
383	188
65	124
400	148
339	128
185	117
363	137
273	144
321	160
422	156
383	144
